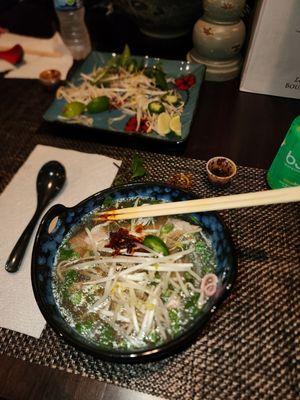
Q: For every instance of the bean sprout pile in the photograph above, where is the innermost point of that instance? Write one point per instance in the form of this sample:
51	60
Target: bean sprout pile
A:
134	284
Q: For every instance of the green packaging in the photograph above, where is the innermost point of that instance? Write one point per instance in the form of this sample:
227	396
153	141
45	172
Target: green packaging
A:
285	168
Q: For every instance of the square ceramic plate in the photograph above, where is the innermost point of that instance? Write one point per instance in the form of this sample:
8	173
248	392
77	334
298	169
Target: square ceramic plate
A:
103	121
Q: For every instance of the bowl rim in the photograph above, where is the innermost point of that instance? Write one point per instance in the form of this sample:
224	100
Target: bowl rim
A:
135	356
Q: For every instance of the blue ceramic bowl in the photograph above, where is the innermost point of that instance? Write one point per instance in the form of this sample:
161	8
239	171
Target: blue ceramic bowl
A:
46	246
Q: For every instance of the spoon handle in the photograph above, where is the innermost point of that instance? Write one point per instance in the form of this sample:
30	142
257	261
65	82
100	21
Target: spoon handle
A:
16	256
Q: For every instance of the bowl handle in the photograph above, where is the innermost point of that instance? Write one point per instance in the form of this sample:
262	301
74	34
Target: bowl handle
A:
50	219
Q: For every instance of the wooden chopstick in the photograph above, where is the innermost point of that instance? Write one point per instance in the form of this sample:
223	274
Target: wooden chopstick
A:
275	196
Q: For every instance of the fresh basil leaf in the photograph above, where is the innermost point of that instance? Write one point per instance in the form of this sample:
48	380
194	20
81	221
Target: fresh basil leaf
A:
125	56
137	168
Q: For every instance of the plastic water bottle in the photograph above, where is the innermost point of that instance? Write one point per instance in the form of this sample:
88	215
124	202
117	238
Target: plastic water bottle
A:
285	168
72	27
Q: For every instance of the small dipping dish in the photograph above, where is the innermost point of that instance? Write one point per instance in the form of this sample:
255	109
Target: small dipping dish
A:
220	170
50	78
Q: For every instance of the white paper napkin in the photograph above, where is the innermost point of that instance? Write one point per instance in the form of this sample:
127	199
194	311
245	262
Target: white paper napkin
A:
38	61
86	174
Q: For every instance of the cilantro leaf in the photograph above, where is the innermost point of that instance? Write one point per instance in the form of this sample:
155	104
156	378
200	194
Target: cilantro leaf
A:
67	253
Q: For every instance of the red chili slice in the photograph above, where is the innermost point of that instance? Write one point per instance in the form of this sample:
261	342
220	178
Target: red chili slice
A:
131	125
185	82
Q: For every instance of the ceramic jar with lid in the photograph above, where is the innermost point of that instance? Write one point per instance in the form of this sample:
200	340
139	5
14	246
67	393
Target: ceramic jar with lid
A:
218	37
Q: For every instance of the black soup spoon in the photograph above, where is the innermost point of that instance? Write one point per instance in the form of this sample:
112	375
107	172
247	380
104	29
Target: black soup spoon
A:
50	180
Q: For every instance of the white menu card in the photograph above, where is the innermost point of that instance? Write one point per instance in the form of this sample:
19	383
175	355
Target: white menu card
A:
272	64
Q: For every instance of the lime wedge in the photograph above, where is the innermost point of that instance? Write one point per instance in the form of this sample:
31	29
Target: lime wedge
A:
175	125
163	124
73	109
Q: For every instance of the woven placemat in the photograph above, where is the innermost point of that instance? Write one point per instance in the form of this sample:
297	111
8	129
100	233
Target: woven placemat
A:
250	347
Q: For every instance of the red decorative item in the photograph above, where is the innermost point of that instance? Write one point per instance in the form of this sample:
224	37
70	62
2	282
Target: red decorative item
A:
13	55
185	82
131	125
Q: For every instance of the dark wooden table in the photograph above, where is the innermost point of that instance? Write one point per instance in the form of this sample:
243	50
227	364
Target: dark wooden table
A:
245	127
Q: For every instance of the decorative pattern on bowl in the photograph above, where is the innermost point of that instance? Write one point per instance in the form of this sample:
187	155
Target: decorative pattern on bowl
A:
162	18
